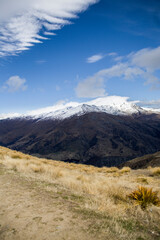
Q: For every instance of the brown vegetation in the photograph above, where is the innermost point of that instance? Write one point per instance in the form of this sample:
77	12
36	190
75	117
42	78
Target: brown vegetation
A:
104	190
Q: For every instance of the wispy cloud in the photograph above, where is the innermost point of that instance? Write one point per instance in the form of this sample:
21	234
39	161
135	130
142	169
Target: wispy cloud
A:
21	21
14	84
152	103
112	54
40	62
95	58
141	64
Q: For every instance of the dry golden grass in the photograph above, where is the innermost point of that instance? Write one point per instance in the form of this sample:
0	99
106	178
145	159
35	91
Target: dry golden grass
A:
102	183
125	170
155	171
105	190
142	180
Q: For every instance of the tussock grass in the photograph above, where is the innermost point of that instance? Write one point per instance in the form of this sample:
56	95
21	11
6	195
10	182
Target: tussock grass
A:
105	190
142	180
155	171
109	170
16	156
125	170
145	196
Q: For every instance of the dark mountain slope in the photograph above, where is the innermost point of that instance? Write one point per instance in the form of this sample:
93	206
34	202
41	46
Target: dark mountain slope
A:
94	138
145	161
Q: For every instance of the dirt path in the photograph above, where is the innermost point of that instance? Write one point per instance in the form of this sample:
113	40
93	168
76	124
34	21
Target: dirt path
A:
28	211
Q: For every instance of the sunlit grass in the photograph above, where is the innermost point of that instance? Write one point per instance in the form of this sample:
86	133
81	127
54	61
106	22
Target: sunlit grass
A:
107	188
145	196
155	171
103	190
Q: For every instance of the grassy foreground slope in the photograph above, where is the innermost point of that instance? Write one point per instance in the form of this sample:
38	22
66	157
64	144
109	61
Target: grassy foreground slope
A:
44	199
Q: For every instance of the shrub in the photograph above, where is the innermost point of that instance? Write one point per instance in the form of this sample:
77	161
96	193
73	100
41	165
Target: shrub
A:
145	196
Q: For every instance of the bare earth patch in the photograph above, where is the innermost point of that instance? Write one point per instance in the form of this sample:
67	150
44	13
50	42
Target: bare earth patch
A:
28	211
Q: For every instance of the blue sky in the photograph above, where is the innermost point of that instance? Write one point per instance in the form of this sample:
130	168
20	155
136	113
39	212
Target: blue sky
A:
93	49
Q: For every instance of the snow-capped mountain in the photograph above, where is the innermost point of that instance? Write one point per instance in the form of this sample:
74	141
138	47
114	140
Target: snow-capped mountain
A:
125	132
112	104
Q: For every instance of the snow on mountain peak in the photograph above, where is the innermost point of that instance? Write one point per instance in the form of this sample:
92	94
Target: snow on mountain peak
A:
111	104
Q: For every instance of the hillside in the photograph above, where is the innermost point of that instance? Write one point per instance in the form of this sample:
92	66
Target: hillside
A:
43	199
145	161
96	138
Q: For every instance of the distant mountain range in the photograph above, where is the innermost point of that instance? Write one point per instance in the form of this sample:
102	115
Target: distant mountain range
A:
103	132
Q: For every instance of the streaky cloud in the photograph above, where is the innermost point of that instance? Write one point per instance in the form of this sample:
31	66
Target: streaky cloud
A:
23	23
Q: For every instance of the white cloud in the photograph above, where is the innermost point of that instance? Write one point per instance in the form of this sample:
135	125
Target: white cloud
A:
22	20
95	58
152	103
15	83
94	86
91	87
147	58
118	59
112	54
142	64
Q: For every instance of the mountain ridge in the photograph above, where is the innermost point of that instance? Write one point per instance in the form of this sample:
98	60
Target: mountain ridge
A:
98	138
102	132
115	105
